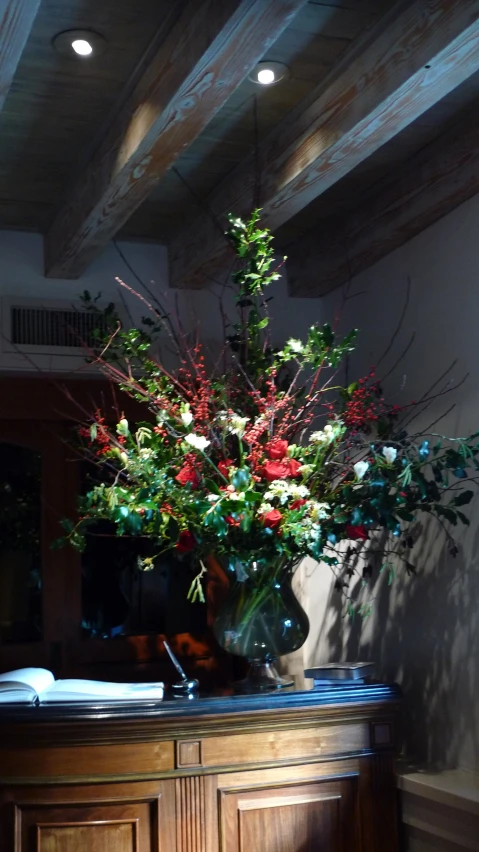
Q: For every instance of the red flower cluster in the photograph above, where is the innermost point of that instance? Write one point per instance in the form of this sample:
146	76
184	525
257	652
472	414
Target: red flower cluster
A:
186	542
188	474
296	504
224	466
358	533
276	450
281	469
272	518
102	438
366	405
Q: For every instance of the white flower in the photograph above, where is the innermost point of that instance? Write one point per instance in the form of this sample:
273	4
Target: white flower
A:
306	469
199	442
360	468
319	511
390	454
212	497
296	346
186	417
327	435
319	437
237	425
298	492
264	508
145	453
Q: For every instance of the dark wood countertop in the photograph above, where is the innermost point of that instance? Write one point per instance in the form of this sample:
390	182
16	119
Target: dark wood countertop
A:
102	722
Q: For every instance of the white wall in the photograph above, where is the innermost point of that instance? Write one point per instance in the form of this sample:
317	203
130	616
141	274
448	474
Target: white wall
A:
21	276
424	631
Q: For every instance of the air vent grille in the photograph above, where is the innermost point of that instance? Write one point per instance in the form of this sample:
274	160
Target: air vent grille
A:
51	328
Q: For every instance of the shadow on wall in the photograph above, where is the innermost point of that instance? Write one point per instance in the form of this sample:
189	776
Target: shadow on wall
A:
424	634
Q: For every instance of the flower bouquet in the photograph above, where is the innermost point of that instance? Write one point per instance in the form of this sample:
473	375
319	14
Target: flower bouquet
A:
261	456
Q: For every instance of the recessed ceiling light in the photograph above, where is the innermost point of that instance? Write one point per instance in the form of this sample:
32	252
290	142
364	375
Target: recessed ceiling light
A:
82	47
79	43
269	73
266	76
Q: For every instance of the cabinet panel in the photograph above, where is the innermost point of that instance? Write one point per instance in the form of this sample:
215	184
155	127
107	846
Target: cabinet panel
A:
314	817
118	827
285	745
95	837
130	817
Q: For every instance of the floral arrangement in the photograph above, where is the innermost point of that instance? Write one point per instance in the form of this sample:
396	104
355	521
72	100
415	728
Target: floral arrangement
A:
263	451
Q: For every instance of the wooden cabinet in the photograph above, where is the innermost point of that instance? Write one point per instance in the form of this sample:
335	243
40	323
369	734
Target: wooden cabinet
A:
110	818
288	773
313	816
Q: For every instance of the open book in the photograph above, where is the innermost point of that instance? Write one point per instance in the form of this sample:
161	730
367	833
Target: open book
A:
32	686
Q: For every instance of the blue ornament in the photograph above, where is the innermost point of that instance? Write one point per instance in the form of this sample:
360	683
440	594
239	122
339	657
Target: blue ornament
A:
332	538
424	450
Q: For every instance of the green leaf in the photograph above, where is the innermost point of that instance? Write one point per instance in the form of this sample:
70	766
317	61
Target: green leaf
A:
448	514
463	498
462	517
241	478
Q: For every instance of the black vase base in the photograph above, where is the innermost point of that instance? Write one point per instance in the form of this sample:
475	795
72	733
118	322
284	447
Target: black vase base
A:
261	677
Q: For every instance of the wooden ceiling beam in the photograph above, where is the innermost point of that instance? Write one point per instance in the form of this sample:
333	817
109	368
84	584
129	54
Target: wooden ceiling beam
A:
416	55
431	184
208	52
16	19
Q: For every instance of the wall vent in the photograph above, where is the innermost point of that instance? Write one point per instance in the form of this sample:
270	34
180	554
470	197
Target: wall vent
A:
46	327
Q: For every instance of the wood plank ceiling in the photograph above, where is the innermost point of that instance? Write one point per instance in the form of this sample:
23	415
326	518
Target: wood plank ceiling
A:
76	134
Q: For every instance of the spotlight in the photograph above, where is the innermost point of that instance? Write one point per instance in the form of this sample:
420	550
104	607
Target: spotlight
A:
267	73
79	44
82	47
266	76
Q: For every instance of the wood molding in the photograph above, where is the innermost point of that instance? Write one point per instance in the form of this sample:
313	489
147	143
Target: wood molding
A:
58	729
16	19
411	60
203	59
431	184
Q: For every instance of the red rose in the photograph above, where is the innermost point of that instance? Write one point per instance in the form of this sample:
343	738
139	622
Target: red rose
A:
294	466
359	533
276	470
296	504
186	542
276	449
188	474
224	467
272	519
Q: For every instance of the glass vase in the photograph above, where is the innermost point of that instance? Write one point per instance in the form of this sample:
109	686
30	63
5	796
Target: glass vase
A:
261	619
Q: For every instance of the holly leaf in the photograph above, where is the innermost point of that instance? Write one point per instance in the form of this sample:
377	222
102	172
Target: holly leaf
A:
463	498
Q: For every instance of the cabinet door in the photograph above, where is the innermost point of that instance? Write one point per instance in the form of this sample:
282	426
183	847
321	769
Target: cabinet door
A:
310	817
72	821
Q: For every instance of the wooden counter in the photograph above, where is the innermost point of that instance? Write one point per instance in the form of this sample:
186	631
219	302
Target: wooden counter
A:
289	772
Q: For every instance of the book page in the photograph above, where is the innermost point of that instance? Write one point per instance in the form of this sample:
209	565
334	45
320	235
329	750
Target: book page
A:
24	684
97	690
